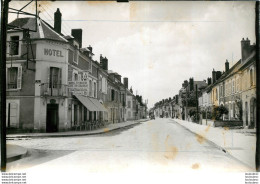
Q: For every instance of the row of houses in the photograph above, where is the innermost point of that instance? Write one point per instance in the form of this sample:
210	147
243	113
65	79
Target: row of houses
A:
234	90
54	84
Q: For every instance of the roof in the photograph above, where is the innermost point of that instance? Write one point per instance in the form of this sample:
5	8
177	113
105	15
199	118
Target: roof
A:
234	69
43	29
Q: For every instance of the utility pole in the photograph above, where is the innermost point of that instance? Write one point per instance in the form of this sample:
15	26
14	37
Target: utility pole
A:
4	22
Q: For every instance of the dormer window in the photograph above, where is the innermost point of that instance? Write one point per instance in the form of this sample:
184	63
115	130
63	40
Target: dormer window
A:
14	45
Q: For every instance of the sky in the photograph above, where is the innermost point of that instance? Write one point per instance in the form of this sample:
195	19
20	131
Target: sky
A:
158	45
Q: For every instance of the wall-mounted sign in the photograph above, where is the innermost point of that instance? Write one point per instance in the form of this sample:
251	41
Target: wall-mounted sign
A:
78	87
53	52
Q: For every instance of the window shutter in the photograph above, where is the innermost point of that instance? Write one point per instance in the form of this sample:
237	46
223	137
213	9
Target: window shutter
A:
48	79
93	89
7	78
60	76
19	78
79	77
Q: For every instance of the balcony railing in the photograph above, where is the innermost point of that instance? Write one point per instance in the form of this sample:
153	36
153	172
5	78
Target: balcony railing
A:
58	90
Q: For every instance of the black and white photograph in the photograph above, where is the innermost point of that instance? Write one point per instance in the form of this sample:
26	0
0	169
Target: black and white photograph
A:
93	90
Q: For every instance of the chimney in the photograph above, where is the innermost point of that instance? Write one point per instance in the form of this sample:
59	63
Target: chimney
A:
209	80
185	84
245	49
226	66
77	34
90	48
126	82
57	21
213	76
131	90
191	84
218	75
118	77
103	62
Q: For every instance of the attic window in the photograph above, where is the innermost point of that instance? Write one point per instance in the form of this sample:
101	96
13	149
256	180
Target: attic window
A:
14	45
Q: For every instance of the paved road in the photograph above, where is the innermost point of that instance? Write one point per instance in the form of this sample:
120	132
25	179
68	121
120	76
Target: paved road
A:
158	145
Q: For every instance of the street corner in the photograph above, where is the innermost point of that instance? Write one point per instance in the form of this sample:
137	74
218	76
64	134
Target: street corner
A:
15	152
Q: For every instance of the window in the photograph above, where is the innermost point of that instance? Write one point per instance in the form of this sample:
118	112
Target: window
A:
233	86
14	45
95	88
238	86
14	78
104	85
54	78
75	55
90	88
251	77
128	104
112	95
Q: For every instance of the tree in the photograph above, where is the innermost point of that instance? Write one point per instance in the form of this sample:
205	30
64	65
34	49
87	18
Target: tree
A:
218	112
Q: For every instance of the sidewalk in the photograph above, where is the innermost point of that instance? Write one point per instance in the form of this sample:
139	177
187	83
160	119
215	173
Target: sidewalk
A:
241	144
105	129
14	152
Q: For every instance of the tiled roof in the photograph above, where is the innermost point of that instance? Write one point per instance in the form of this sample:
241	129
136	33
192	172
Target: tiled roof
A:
47	30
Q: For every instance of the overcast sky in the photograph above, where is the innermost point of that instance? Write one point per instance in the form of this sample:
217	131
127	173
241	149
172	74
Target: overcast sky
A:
158	45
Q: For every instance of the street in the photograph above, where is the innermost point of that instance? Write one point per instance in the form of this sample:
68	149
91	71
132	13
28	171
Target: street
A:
159	145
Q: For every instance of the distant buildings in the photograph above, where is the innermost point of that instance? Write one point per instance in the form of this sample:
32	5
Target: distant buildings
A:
233	89
53	83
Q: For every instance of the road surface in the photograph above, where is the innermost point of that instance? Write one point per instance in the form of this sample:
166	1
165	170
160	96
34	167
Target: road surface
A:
159	145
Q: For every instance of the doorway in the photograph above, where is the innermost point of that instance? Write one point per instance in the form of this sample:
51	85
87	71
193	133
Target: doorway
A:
52	122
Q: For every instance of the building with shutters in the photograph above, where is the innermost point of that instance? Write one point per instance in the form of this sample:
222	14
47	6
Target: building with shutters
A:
55	80
53	83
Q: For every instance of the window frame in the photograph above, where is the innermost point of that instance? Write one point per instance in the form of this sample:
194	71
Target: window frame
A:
9	35
19	76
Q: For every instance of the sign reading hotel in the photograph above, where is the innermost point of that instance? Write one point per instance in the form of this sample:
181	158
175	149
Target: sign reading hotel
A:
53	52
78	87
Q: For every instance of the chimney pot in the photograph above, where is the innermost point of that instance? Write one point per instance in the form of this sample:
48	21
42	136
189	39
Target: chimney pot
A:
126	82
77	34
57	21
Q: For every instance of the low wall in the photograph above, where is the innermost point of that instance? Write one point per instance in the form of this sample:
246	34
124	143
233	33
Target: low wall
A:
208	122
228	123
217	123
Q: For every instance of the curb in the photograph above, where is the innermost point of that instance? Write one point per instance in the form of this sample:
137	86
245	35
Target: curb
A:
17	156
215	144
72	135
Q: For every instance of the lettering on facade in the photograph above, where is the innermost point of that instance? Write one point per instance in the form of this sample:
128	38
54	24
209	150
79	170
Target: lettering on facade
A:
53	52
78	87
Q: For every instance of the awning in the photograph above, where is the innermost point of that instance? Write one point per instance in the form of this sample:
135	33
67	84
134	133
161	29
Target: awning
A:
98	104
87	103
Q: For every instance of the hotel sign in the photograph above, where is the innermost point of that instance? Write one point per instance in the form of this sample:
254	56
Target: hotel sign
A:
53	52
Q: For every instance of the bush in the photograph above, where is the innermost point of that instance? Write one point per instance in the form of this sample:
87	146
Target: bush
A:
218	112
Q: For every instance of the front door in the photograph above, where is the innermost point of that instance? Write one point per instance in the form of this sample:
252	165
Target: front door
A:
52	118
